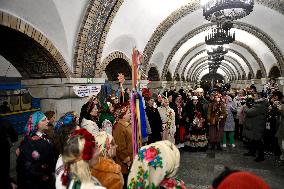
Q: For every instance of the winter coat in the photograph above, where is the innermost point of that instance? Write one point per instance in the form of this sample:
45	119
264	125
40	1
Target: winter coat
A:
155	122
122	134
230	123
108	173
255	119
35	163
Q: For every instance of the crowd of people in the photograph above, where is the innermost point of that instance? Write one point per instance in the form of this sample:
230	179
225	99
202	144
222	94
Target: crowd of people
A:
94	150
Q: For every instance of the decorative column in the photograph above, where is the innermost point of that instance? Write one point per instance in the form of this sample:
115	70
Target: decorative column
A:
62	94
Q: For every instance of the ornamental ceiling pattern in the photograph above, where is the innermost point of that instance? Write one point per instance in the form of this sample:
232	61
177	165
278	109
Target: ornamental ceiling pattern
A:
277	5
238	25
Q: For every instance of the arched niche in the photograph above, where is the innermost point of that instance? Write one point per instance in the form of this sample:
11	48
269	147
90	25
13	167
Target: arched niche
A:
258	74
243	77
153	74
182	78
177	78
274	72
117	66
169	76
28	56
249	76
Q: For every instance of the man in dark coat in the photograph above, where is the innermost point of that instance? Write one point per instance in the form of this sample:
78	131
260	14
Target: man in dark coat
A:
8	135
254	124
154	121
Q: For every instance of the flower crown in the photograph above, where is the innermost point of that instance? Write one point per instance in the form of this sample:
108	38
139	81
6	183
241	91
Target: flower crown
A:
87	152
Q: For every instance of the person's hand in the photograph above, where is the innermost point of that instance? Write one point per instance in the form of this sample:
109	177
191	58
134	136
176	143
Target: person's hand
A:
17	152
13	185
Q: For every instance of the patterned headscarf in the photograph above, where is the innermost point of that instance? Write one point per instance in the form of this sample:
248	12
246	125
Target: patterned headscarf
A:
103	142
156	165
68	118
121	111
31	127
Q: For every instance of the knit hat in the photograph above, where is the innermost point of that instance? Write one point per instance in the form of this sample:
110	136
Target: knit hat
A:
67	119
154	165
103	142
31	127
242	180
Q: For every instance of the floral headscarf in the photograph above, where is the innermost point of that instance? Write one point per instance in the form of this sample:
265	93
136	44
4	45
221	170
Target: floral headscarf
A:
68	118
103	142
31	127
155	165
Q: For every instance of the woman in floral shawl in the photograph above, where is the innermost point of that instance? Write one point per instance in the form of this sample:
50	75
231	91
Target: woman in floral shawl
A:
168	121
155	166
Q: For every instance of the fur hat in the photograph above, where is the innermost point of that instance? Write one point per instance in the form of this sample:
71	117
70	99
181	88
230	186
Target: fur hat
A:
155	164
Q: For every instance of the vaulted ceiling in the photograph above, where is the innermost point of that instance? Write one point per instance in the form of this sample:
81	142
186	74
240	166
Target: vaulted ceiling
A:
170	33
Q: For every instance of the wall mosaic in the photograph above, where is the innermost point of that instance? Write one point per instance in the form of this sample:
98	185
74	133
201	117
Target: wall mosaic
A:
92	36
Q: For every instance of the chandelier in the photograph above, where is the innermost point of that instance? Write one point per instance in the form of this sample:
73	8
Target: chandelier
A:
219	36
215	58
218	10
217	51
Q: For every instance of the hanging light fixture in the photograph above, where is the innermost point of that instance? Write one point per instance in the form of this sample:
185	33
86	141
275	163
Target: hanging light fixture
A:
217	50
218	10
219	36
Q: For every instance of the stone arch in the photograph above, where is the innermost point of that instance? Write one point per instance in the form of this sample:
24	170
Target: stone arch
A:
153	74
274	72
39	59
195	65
239	25
92	35
202	62
242	69
258	74
169	76
229	72
184	11
112	56
194	76
116	66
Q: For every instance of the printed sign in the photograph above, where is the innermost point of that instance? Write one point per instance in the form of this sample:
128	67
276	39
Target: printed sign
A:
85	91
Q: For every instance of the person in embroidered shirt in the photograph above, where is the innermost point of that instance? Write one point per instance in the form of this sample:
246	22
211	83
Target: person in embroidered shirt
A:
155	166
65	126
79	156
35	161
167	115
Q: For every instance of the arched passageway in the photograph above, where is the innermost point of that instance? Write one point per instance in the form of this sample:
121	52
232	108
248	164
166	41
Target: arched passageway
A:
116	66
